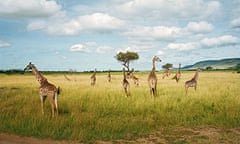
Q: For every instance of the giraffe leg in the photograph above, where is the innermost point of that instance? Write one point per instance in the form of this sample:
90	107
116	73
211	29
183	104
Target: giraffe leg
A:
186	89
42	101
155	90
56	102
52	103
126	91
129	91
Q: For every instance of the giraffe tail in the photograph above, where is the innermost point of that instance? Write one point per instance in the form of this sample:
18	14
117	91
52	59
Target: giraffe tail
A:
58	90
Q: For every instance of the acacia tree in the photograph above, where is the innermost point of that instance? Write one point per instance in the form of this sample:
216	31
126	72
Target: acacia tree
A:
167	66
126	58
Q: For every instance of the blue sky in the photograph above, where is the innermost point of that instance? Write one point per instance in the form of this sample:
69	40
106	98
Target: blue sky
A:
84	35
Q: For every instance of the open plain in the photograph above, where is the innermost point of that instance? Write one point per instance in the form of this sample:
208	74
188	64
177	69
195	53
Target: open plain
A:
103	114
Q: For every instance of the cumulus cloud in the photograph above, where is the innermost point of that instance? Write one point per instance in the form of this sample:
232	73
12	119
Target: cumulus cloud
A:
235	23
80	48
172	33
199	27
104	49
160	53
4	44
36	25
71	27
100	22
163	9
224	40
90	47
96	22
182	46
28	8
156	32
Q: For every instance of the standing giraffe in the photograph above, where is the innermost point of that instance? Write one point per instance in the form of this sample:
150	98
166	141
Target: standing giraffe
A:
152	78
166	73
125	84
133	77
93	78
192	82
46	89
178	74
109	76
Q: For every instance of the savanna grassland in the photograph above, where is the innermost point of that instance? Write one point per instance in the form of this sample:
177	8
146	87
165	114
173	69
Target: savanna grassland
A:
103	113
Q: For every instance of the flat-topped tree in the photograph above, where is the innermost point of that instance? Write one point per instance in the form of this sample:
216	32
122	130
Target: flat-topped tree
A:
167	72
126	57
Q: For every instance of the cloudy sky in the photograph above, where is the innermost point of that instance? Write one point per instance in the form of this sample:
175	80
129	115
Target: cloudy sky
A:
84	35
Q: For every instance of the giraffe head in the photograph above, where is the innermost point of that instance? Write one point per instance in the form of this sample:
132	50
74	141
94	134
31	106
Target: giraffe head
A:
157	59
29	66
198	69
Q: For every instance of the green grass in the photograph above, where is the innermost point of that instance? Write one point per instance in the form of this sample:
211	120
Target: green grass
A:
103	112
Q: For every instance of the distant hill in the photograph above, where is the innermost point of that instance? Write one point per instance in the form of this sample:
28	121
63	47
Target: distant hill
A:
230	63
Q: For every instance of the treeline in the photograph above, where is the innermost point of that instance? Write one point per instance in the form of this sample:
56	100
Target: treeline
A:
19	71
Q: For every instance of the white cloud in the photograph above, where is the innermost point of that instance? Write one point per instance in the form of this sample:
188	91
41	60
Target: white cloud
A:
90	47
79	48
4	44
166	33
224	40
71	27
100	22
28	8
36	25
235	23
156	32
61	25
182	46
160	53
104	49
199	27
168	9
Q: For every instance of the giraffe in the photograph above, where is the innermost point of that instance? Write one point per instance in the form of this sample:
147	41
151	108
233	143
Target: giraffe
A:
134	78
46	89
109	76
166	73
93	78
192	82
177	77
125	84
152	78
66	77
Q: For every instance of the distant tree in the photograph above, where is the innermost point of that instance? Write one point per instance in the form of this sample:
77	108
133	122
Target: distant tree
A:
238	68
167	66
209	68
126	58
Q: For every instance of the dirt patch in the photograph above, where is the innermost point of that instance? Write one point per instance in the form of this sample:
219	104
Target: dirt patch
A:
14	139
182	135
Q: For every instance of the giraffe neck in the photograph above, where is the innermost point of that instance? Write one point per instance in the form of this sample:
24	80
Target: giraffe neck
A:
124	75
179	69
196	76
94	74
38	75
153	66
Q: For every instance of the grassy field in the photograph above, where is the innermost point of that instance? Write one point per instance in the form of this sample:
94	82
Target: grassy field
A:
102	112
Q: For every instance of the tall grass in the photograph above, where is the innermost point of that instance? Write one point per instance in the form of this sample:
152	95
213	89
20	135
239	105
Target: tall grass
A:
89	113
